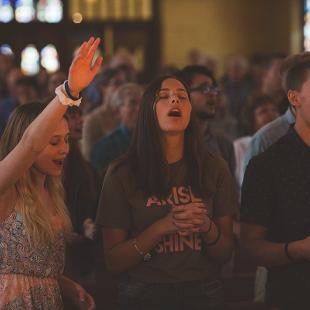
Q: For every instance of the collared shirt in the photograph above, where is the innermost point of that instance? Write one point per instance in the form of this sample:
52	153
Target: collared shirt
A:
276	195
266	136
110	147
240	146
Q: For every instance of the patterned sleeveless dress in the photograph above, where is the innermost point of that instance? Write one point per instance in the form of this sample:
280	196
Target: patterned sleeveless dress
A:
28	276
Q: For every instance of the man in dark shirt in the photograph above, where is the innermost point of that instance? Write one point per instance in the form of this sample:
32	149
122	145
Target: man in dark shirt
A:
275	204
204	92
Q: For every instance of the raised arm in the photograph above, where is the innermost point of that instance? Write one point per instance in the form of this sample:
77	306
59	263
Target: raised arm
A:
37	135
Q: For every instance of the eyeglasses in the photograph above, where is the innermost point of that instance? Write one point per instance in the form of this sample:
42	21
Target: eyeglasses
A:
206	89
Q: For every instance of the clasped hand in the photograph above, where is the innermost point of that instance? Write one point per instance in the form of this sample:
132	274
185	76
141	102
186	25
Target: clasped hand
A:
191	218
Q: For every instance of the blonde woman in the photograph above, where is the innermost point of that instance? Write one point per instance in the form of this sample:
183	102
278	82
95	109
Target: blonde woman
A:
33	217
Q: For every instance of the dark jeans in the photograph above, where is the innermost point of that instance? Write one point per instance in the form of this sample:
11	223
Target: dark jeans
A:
196	295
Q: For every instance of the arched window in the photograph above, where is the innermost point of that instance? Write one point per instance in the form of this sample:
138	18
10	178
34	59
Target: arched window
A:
6	11
50	11
30	60
49	58
24	11
6	49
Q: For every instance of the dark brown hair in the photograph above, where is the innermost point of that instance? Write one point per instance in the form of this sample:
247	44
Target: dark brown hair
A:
294	71
255	103
146	157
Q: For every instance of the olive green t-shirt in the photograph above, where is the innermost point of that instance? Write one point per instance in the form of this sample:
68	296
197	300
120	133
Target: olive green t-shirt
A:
176	258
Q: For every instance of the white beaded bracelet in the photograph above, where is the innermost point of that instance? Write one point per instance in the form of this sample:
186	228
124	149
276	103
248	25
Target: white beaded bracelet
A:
64	99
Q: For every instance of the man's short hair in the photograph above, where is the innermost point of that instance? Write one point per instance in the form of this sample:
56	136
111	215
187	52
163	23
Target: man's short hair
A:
106	76
26	81
120	94
188	72
294	71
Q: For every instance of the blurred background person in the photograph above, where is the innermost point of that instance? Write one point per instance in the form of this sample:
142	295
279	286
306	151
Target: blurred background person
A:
126	102
271	83
261	111
6	65
103	118
204	95
237	85
54	80
22	90
81	197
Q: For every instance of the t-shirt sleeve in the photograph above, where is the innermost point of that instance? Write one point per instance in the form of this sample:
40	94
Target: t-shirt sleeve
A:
225	199
114	208
251	151
257	194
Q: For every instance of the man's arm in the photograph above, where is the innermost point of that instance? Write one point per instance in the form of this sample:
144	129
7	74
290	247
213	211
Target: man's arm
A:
267	253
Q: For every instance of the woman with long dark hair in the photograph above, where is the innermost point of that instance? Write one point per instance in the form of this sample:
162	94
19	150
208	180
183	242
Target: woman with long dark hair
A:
33	218
166	209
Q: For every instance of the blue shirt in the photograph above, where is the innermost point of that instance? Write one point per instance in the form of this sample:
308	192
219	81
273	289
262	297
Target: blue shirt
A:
267	136
7	106
110	147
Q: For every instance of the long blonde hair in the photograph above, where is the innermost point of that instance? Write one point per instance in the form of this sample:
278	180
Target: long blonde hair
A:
37	221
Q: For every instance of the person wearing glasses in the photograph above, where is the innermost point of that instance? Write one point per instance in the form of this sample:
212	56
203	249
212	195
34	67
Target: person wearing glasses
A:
166	209
204	96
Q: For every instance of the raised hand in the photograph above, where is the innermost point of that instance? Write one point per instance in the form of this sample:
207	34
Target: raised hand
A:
81	71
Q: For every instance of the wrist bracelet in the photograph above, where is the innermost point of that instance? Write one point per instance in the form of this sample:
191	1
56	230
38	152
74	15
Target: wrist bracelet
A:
67	89
288	255
64	99
146	256
210	226
216	239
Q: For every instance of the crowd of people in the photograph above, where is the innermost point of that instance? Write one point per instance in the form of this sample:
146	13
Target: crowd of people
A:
152	181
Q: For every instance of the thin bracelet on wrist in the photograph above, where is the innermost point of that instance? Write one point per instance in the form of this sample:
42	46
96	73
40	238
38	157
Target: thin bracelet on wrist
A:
216	239
146	256
67	89
288	255
210	226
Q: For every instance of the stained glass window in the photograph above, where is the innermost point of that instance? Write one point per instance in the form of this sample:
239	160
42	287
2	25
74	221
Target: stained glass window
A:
6	11
6	49
30	60
50	11
49	58
24	11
